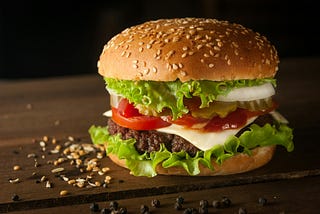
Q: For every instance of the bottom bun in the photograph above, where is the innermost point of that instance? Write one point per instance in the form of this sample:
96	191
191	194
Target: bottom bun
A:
236	164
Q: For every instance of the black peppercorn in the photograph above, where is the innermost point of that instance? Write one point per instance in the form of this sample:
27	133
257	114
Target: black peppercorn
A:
226	202
190	211
113	205
177	206
216	204
122	210
204	203
203	210
94	207
15	197
155	203
262	201
180	200
144	209
242	210
105	211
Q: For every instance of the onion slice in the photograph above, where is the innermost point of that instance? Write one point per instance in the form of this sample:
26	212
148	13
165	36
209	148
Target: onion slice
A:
248	93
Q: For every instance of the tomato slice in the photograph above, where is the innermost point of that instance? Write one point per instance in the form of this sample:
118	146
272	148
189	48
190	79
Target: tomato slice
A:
127	109
128	116
140	122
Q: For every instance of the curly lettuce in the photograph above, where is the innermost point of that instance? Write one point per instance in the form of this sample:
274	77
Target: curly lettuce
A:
145	164
170	95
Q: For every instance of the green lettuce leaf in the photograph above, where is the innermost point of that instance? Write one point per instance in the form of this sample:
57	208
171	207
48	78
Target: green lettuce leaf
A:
145	164
170	95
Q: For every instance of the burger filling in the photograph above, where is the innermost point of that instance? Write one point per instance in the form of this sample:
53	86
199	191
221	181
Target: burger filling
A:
190	123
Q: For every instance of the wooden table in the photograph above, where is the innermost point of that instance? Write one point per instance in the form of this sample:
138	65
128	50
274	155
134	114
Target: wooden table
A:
64	108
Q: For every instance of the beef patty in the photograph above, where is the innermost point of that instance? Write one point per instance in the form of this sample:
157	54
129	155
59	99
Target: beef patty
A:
148	141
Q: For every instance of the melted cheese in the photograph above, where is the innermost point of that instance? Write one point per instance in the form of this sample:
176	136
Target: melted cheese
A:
202	140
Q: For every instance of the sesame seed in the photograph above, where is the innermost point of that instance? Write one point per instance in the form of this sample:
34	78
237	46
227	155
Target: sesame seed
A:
135	66
154	69
199	46
184	55
169	54
229	62
175	39
183	73
16	167
202	60
190	53
206	55
185	48
192	32
128	54
175	66
180	65
64	192
211	65
148	46
216	48
198	37
140	49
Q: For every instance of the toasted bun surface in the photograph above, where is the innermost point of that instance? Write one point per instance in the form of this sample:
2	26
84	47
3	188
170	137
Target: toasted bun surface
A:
236	164
188	49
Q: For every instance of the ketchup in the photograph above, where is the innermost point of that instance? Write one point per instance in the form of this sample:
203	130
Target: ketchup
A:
234	120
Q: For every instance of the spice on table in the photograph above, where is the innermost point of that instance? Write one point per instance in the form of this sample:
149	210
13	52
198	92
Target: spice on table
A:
225	201
16	167
15	197
144	209
242	210
94	207
216	204
64	192
262	201
180	200
204	204
155	203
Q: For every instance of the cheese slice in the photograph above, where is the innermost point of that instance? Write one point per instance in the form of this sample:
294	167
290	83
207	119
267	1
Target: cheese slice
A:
202	140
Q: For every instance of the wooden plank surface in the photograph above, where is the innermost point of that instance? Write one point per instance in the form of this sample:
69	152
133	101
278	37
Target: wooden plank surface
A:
287	196
67	106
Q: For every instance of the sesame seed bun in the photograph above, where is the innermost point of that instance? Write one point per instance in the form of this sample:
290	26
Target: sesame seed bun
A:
237	164
188	49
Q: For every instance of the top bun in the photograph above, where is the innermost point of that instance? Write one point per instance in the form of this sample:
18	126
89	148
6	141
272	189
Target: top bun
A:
188	49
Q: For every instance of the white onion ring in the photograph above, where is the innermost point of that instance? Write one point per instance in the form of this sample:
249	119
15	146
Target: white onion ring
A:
248	93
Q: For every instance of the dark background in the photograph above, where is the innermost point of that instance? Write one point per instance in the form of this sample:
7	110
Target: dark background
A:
55	38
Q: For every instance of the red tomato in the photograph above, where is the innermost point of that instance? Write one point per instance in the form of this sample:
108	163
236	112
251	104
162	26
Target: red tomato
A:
127	109
128	116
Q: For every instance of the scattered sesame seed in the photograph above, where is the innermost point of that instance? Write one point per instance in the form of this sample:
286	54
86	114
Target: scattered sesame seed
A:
64	192
16	167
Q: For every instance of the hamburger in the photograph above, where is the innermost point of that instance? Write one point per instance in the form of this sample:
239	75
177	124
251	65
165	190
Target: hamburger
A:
191	96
